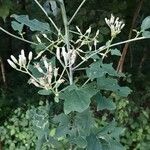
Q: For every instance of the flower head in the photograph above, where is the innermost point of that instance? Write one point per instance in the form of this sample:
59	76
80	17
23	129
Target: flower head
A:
115	25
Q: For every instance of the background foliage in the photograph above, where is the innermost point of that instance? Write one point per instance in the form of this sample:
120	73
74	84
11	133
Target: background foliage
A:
15	103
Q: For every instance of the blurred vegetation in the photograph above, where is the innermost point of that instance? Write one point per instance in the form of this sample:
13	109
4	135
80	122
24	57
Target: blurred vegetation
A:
16	97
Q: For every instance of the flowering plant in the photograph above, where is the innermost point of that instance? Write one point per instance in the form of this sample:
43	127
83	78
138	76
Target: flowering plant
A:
77	92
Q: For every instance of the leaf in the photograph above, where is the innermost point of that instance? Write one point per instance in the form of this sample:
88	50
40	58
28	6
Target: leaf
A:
146	23
146	34
104	103
112	145
77	99
93	143
45	92
17	26
109	137
98	69
34	24
84	122
115	52
81	142
112	85
5	7
64	124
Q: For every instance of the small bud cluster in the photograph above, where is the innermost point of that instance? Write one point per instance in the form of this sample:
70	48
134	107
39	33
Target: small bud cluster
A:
21	62
115	25
87	38
68	57
47	71
47	74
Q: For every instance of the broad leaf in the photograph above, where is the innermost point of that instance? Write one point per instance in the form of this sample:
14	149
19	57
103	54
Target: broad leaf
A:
93	143
115	52
80	142
84	122
77	99
34	24
64	125
112	85
109	136
17	26
146	23
97	69
146	34
5	7
103	102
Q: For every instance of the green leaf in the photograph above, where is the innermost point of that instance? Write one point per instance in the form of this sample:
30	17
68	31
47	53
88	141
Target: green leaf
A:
17	26
146	34
64	124
84	122
112	85
109	137
98	69
5	7
34	24
45	92
80	142
77	99
115	52
146	23
93	143
104	103
112	145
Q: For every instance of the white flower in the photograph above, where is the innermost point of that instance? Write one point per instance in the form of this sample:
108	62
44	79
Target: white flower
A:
115	25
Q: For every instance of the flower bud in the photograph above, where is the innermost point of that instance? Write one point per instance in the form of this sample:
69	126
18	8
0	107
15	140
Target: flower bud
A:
38	39
11	64
44	35
14	59
55	72
30	56
23	58
58	53
37	66
45	62
65	56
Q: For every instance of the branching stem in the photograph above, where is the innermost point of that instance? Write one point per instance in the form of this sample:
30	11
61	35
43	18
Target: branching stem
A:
103	48
17	37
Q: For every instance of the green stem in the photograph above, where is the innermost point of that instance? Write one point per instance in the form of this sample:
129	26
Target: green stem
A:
76	12
17	37
105	47
67	39
108	48
47	16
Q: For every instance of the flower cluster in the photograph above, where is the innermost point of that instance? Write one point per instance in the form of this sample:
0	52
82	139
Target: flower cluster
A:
115	25
68	57
47	72
21	62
